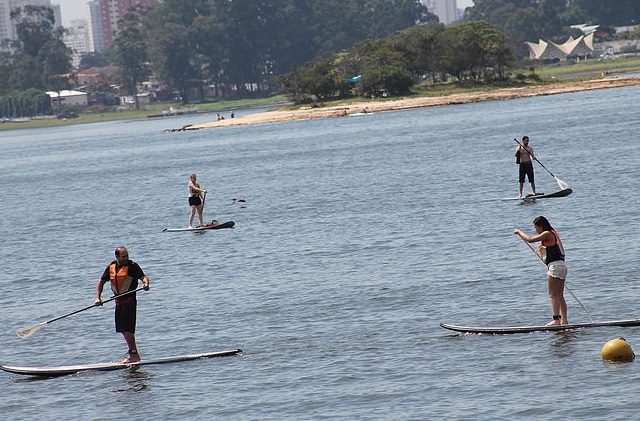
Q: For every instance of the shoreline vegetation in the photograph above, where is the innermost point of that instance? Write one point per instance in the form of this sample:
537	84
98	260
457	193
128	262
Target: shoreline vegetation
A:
383	105
554	81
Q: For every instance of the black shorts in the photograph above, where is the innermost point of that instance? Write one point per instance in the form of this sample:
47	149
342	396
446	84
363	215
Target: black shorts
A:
195	201
526	169
126	317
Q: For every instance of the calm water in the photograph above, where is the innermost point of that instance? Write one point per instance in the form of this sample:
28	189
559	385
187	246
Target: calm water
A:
359	236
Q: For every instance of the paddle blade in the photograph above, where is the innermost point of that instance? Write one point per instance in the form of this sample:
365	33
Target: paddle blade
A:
562	184
25	332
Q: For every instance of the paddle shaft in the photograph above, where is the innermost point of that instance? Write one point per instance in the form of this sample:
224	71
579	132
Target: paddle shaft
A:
565	285
204	197
91	306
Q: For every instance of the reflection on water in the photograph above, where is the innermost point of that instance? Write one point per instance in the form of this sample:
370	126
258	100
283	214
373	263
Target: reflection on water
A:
562	346
136	380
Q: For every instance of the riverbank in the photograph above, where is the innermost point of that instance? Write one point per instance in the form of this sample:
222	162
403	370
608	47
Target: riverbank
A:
373	106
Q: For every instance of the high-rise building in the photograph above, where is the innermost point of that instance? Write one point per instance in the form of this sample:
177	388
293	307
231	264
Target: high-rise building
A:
78	39
111	11
445	10
95	24
5	20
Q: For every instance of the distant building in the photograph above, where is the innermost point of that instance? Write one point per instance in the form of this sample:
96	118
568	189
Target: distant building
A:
96	75
445	10
78	39
96	30
586	29
68	98
111	11
579	47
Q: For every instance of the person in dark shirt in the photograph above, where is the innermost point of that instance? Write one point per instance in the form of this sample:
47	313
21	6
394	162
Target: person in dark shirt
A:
123	275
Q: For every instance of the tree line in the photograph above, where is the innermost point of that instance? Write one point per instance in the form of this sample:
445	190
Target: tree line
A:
238	46
247	48
469	51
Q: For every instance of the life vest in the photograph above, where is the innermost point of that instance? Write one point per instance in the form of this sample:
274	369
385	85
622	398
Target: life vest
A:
552	250
121	281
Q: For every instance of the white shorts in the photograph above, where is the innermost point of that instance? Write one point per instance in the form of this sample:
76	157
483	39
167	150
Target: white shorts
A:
557	269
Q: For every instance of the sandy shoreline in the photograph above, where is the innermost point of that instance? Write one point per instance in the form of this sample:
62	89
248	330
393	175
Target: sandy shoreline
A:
410	103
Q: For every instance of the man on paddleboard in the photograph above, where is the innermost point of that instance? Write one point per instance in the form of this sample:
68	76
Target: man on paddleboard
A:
124	274
524	155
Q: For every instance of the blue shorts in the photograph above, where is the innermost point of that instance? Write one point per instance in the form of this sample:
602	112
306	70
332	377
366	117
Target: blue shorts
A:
195	201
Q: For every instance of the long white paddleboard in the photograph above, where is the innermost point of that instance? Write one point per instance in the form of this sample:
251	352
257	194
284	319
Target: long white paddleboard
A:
71	369
228	224
530	329
533	197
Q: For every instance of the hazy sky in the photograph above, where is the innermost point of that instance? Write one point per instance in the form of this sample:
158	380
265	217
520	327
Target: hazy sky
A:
72	9
77	9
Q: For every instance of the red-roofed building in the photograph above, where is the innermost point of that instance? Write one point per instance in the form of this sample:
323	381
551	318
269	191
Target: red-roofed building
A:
96	75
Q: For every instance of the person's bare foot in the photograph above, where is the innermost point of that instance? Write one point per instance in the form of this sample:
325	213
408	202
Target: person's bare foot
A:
554	323
131	359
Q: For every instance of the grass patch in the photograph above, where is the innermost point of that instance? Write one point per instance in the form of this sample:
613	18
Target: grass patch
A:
590	69
143	113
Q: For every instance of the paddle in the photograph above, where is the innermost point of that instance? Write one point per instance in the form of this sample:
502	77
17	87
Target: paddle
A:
204	197
565	284
561	183
25	332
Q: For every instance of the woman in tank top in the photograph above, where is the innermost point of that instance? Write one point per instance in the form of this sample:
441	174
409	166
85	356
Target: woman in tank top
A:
552	254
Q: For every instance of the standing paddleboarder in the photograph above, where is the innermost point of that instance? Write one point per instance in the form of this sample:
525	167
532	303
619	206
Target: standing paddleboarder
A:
195	200
123	274
552	254
524	155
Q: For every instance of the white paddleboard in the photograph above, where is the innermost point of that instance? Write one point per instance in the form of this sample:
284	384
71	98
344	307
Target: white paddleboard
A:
50	371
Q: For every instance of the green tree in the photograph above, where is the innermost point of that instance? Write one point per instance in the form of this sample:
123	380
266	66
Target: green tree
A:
129	52
319	79
25	73
474	50
418	45
186	43
39	57
35	26
25	103
241	45
94	59
607	12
